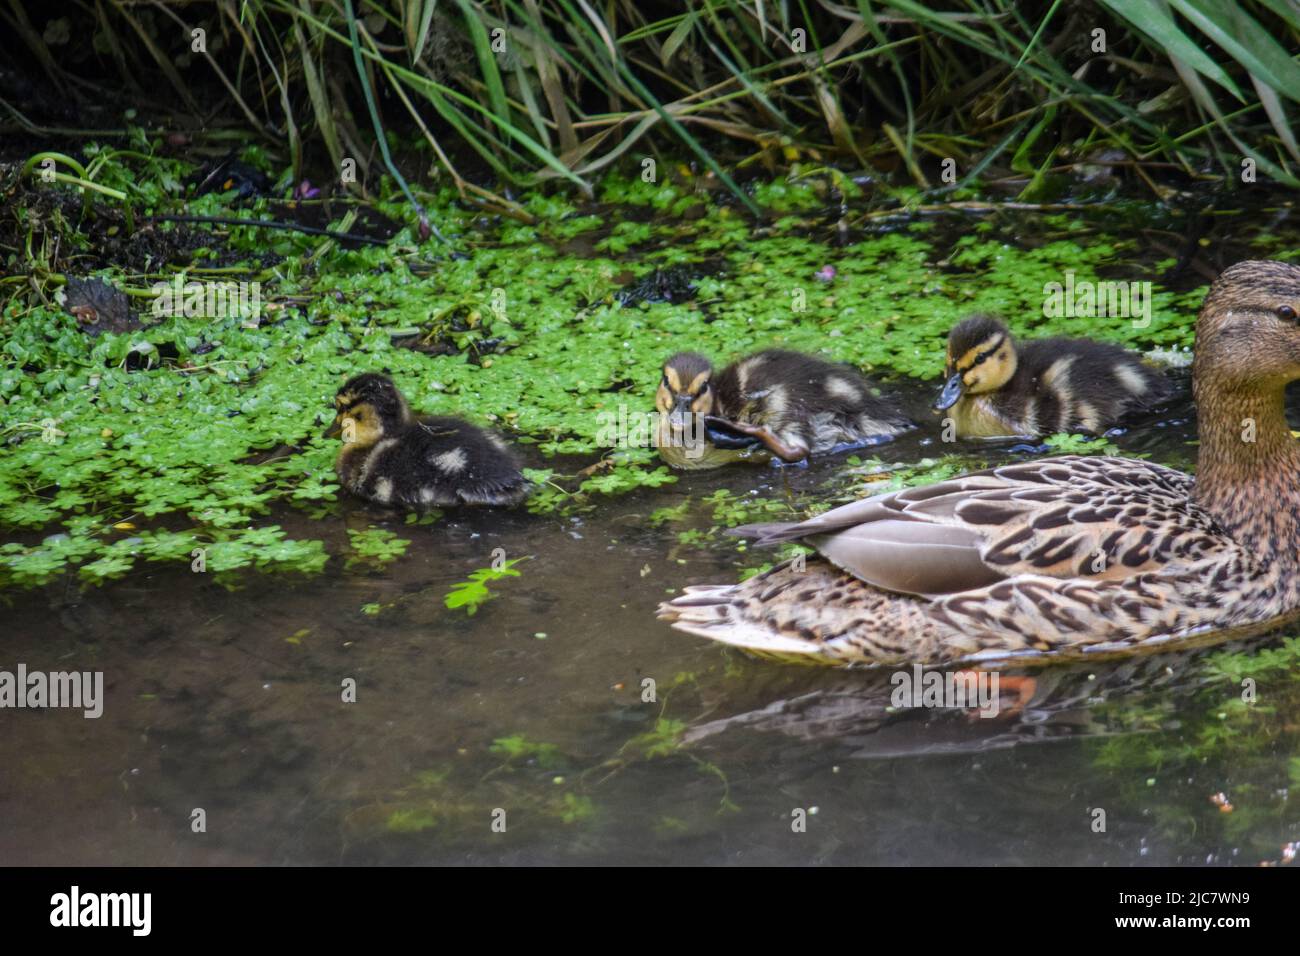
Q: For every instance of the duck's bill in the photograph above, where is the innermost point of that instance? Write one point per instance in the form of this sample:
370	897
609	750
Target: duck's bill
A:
951	392
335	429
681	417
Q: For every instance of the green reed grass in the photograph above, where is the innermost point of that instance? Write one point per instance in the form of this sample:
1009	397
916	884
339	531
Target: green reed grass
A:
540	90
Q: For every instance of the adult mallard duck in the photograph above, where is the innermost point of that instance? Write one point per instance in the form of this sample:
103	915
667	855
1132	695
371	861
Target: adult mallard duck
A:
392	457
771	403
1060	553
996	388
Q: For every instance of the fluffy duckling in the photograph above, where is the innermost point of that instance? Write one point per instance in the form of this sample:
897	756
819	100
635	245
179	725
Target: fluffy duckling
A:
1065	554
995	388
771	403
394	458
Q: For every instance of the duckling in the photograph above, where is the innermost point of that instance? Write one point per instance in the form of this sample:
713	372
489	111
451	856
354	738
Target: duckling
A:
394	458
995	388
1062	554
771	403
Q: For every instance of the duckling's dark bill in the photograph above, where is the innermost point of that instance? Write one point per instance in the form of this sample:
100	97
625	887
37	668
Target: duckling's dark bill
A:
951	392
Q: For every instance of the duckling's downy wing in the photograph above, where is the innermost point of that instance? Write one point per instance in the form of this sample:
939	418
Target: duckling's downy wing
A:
1094	518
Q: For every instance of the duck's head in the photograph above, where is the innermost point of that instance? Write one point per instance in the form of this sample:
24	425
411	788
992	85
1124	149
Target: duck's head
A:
981	358
366	408
1248	330
684	389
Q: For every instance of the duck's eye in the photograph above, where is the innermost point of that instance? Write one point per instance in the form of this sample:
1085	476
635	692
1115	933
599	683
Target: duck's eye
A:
1286	313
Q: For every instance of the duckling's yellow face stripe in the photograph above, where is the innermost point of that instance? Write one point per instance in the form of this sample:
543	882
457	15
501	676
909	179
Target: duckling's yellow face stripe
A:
356	423
672	392
987	366
663	398
979	353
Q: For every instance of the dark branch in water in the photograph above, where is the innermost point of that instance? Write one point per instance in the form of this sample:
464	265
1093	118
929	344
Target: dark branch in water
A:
273	224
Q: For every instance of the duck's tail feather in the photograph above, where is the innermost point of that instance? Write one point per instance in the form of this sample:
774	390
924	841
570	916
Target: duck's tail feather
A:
770	533
709	610
811	612
500	493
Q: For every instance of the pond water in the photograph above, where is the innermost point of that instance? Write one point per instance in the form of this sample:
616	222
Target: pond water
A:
230	702
530	712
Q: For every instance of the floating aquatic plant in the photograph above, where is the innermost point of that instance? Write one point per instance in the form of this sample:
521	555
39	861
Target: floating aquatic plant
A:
204	429
473	593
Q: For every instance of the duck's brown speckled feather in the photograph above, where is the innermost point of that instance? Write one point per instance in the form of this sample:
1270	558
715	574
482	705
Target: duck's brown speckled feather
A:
1044	549
1064	554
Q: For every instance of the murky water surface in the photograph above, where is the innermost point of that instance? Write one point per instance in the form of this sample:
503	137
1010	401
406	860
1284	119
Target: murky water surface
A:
531	712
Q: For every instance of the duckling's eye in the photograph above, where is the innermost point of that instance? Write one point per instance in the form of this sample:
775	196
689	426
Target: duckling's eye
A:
1286	313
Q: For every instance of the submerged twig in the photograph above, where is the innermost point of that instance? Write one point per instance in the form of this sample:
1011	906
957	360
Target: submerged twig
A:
273	224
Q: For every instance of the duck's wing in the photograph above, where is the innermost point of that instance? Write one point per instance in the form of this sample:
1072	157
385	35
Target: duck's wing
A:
1096	518
440	426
